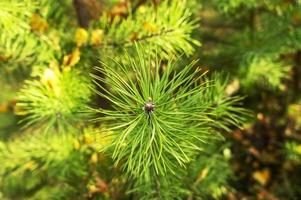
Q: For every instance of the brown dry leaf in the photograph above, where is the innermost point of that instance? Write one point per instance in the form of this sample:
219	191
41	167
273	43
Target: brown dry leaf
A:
72	59
3	108
262	176
156	2
99	187
134	36
254	152
120	10
237	135
81	37
102	185
265	195
3	58
13	102
38	24
296	20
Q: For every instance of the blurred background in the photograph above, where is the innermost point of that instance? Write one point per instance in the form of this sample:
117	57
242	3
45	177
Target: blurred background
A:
255	45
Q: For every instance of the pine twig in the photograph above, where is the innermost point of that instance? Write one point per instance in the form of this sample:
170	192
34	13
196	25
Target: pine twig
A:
126	42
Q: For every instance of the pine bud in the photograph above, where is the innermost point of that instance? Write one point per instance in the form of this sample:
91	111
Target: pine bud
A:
149	107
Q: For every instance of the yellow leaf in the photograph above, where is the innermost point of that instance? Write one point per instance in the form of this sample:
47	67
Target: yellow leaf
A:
232	87
141	9
105	140
260	116
298	149
38	23
96	37
88	139
76	144
72	59
81	37
31	165
202	175
293	110
92	188
262	176
150	27
94	158
227	153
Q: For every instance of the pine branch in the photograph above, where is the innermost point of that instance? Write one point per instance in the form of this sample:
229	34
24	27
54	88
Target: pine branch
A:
132	42
86	11
159	120
56	101
161	28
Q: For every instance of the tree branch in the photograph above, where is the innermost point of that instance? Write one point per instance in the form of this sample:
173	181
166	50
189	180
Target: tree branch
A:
154	35
87	10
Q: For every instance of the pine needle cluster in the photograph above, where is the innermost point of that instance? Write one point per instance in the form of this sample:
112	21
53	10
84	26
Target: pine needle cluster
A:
56	100
161	115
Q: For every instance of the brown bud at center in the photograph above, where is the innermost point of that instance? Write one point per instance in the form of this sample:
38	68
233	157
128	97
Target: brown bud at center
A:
149	107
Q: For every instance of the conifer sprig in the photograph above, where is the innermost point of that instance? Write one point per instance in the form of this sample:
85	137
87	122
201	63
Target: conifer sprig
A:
165	29
57	100
159	116
13	14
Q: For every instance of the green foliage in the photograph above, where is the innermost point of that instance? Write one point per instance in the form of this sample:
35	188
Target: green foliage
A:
165	30
25	170
255	39
205	179
61	169
230	6
55	11
14	15
56	100
19	55
226	110
159	118
293	151
164	120
259	71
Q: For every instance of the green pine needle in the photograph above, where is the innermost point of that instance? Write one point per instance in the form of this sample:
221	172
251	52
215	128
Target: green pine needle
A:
159	117
57	100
